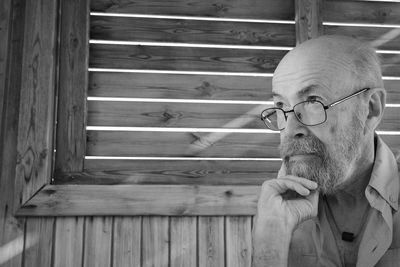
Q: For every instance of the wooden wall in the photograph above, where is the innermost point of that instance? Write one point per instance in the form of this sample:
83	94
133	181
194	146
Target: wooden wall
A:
166	240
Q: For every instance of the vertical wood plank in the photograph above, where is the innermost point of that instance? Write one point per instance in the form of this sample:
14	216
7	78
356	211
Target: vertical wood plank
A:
308	19
127	241
68	241
36	109
211	241
73	82
38	242
183	241
155	246
97	248
238	241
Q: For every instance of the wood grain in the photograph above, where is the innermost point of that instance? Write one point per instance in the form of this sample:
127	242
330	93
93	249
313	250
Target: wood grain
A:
73	80
211	241
183	244
127	241
108	84
196	115
183	58
155	241
191	31
259	9
175	200
98	234
308	20
238	241
68	241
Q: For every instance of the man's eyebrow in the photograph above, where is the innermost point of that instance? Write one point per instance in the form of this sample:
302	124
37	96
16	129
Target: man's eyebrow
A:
303	92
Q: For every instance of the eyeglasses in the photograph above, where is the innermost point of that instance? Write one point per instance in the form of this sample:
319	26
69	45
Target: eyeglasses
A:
309	113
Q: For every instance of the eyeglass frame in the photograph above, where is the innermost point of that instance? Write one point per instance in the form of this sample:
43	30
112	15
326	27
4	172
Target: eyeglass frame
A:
324	106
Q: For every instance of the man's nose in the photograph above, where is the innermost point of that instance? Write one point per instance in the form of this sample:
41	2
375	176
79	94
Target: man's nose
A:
294	128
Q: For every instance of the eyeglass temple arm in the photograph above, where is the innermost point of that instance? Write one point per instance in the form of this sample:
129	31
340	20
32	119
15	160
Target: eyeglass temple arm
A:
346	98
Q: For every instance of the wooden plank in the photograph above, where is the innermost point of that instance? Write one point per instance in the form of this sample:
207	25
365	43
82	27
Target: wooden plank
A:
68	241
109	84
127	241
393	91
155	241
97	244
361	12
390	64
39	232
184	58
259	9
194	115
238	241
176	200
73	82
380	38
206	172
308	19
191	31
182	144
183	241
211	241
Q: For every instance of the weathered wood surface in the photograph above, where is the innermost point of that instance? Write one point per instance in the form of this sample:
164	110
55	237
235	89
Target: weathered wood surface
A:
206	172
183	232
361	12
155	241
73	80
258	9
211	240
191	31
184	58
180	86
194	115
308	19
175	200
98	240
127	241
68	241
238	241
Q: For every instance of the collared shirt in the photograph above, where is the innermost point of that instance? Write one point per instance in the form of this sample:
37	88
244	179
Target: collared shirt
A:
313	242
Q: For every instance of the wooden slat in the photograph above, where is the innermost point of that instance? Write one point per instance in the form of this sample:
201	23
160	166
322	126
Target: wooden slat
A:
176	200
183	58
361	12
127	241
390	64
207	172
308	19
145	114
108	84
238	241
183	241
180	144
380	38
98	232
211	241
72	86
393	91
38	248
258	9
191	31
155	241
68	241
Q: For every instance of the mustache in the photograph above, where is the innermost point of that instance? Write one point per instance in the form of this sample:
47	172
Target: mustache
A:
305	145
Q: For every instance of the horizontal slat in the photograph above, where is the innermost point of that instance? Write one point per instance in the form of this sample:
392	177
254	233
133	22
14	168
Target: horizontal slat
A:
191	31
142	114
207	172
390	64
258	9
361	12
181	144
180	86
90	200
380	38
108	84
183	58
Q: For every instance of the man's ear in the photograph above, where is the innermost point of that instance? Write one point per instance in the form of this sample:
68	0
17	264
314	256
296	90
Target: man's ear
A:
376	105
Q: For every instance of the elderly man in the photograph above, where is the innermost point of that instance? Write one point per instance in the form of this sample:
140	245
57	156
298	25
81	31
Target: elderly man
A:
334	202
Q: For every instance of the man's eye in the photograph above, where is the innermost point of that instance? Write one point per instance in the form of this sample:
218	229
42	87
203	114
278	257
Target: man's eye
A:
279	104
313	98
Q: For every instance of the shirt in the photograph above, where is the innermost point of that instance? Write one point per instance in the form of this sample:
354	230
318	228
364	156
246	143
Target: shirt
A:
313	242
